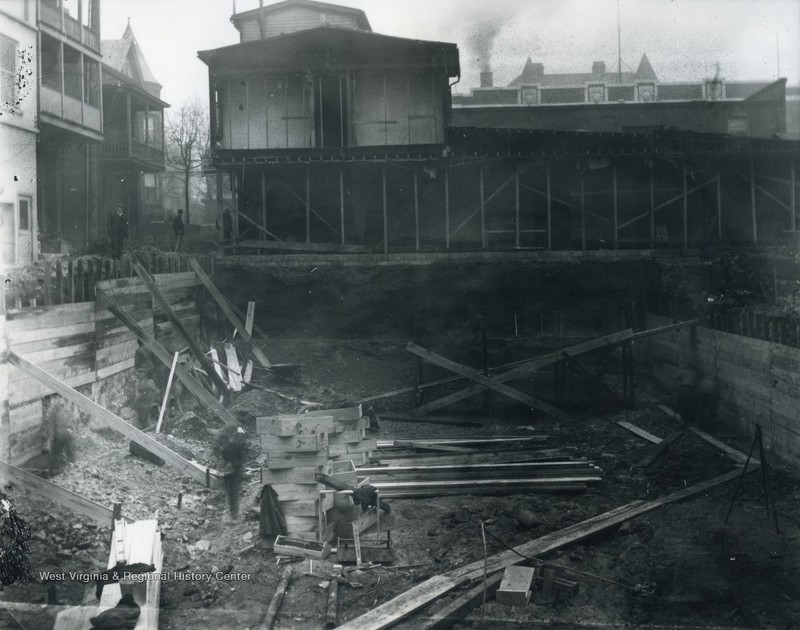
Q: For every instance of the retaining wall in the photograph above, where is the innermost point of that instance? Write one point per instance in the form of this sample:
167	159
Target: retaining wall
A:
758	381
80	344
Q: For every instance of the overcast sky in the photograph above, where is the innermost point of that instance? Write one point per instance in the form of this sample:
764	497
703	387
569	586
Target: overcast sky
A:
684	39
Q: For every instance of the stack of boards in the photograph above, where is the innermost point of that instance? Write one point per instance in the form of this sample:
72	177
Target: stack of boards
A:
298	447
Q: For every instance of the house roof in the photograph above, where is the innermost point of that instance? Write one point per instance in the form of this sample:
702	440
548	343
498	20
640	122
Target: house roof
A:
533	74
358	14
328	46
116	51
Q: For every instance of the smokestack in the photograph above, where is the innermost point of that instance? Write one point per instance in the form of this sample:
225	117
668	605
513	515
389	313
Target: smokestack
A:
487	79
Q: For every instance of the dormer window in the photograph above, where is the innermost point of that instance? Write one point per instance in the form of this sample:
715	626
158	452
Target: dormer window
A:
529	95
714	91
646	92
597	93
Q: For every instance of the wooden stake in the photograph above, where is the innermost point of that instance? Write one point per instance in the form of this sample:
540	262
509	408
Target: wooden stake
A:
251	313
165	402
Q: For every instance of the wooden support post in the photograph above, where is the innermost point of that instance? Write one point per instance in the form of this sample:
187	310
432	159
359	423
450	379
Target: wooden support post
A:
549	208
793	196
416	209
583	214
341	203
447	207
685	209
165	357
264	198
652	203
48	270
385	212
487	395
753	198
331	607
616	205
483	207
177	324
277	598
719	204
308	205
59	283
223	304
419	362
189	468
165	402
516	210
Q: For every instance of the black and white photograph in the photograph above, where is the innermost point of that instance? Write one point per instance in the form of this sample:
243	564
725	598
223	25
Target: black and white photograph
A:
409	314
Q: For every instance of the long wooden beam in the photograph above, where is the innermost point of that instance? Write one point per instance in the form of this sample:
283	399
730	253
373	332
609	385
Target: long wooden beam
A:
192	384
178	325
487	382
49	490
424	593
224	305
185	466
527	367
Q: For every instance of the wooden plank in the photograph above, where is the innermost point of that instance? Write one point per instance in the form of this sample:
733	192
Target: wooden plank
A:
298	474
176	322
296	424
80	505
166	358
234	369
281	459
50	333
461	606
656	451
313	442
640	432
735	455
167	389
425	592
223	304
662	329
525	368
251	313
476	458
486	381
189	468
340	415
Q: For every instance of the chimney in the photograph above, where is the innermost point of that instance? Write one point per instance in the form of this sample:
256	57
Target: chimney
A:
487	79
599	68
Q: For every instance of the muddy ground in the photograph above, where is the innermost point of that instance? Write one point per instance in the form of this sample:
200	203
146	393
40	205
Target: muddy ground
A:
679	566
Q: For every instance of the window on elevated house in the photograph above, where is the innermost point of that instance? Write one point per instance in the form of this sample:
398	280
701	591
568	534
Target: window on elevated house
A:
91	82
646	92
72	73
739	124
529	95
597	93
9	53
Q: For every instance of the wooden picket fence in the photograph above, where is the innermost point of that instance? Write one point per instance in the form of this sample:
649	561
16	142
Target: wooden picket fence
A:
73	281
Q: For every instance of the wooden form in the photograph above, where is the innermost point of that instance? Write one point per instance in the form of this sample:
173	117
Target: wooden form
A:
640	432
286	546
189	468
525	368
178	325
167	389
424	593
485	381
162	355
224	305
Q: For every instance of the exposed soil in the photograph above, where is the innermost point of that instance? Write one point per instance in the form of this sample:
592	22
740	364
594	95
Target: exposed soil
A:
680	566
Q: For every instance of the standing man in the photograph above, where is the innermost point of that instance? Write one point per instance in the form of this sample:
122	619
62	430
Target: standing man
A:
178	228
117	227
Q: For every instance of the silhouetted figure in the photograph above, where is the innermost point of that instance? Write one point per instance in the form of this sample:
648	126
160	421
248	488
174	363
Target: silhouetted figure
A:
233	448
124	616
117	227
178	228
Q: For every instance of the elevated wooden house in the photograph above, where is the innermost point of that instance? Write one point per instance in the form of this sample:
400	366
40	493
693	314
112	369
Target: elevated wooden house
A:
313	112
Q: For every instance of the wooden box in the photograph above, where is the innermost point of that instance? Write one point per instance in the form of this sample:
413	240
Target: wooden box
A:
515	589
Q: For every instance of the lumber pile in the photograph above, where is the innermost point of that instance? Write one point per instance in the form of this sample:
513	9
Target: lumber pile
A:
348	439
296	449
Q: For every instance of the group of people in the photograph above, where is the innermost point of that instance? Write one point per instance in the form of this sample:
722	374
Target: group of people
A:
117	228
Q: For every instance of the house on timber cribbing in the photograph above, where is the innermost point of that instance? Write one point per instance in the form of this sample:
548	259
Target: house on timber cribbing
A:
325	132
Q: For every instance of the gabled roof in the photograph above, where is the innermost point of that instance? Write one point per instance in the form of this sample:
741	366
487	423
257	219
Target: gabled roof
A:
116	51
328	46
533	73
358	14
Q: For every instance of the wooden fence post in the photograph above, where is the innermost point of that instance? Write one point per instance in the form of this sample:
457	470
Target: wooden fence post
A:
48	269
59	283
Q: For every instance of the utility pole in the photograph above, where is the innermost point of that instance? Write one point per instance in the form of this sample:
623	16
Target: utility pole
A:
619	46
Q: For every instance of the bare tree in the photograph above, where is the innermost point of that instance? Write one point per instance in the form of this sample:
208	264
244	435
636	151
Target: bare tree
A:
187	141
